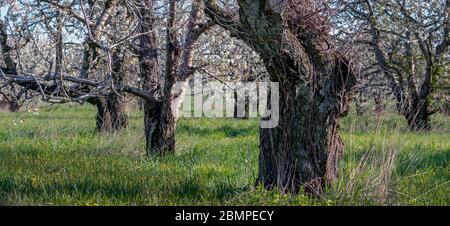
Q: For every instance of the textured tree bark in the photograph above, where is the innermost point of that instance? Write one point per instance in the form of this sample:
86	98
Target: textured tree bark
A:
315	87
160	125
6	51
161	118
161	131
116	108
103	118
160	128
14	106
9	106
111	116
304	149
159	121
417	114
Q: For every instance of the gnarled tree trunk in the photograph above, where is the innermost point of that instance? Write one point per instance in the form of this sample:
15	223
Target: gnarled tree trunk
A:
304	149
159	121
111	116
315	88
161	117
160	128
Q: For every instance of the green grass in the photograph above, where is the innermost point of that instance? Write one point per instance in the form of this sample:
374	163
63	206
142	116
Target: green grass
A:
57	158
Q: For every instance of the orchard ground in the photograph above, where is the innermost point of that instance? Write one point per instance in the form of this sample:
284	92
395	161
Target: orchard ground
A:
55	157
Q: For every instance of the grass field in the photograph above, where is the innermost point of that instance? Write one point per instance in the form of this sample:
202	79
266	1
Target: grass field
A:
57	158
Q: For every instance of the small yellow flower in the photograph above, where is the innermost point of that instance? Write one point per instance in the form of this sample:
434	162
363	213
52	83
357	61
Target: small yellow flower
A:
90	204
34	182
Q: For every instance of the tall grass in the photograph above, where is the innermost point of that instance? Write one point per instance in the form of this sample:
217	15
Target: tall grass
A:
56	157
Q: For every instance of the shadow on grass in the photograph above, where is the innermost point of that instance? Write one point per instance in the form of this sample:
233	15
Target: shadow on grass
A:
192	188
236	132
227	130
192	129
410	164
189	188
87	188
225	191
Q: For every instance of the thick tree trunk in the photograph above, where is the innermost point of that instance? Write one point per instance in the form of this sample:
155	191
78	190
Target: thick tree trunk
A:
303	150
315	88
151	126
160	122
151	80
111	116
160	125
116	109
9	106
6	51
103	119
160	118
416	107
15	106
417	115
